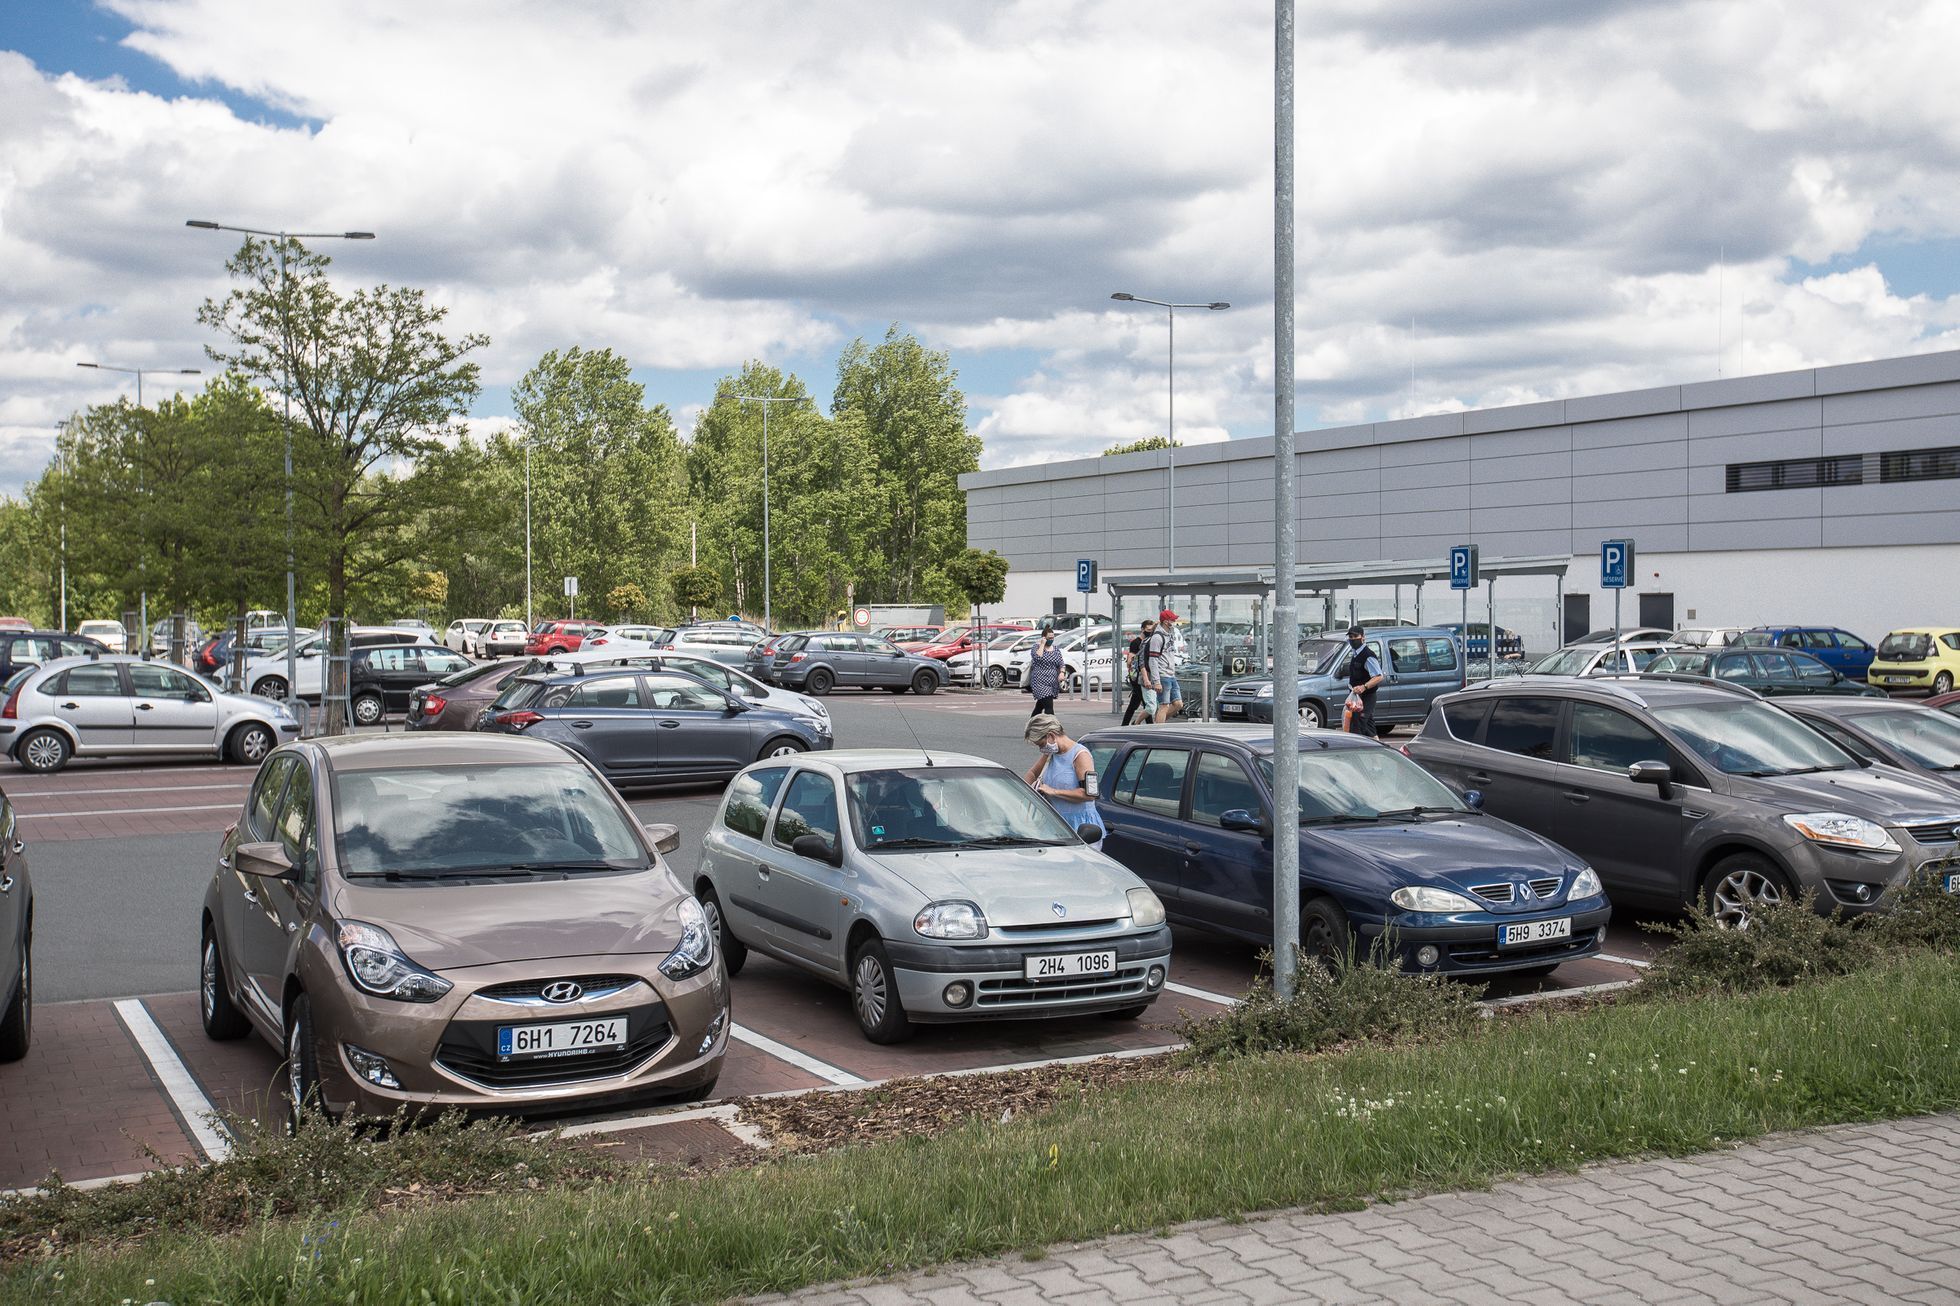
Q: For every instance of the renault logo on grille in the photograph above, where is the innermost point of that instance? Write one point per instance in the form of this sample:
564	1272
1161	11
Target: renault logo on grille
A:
562	991
1058	909
1524	890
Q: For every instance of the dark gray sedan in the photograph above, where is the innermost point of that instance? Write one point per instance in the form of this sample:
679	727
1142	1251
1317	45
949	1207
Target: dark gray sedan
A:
640	726
837	659
16	940
1906	735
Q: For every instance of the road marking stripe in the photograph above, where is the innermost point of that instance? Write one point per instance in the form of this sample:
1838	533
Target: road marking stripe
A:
112	772
192	1107
1204	995
1634	962
722	1113
801	1060
142	789
130	811
1548	995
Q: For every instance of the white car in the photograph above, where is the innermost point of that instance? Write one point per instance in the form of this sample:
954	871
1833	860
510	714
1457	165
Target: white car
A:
1602	659
265	674
462	633
1707	636
964	668
502	639
116	704
111	635
621	640
1014	670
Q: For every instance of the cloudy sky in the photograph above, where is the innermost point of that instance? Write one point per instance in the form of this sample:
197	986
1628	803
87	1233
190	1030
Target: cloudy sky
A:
1500	201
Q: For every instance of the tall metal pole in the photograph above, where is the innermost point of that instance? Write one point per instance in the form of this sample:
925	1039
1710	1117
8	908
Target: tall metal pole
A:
286	390
527	537
1286	652
61	470
768	619
1170	451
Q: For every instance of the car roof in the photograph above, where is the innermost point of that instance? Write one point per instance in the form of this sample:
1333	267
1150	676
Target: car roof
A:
1848	706
1665	689
377	752
1249	735
1924	630
852	761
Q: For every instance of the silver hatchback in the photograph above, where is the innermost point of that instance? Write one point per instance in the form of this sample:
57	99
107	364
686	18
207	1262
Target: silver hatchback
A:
115	704
933	886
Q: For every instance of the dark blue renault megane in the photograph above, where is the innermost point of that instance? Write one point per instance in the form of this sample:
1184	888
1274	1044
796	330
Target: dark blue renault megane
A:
1384	847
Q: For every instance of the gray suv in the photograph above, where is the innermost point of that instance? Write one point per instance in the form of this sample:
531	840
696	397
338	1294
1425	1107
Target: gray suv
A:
1421	663
1688	790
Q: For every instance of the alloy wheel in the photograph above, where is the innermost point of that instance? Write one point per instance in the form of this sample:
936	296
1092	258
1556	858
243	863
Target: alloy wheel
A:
44	752
295	1074
207	980
1310	716
273	687
1740	892
784	749
870	993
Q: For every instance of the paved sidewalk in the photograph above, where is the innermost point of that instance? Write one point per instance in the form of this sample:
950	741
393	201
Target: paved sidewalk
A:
1867	1213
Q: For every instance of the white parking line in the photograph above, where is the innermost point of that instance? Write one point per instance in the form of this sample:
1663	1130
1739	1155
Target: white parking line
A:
141	789
1203	995
1634	962
192	1107
131	811
801	1060
721	1113
1550	995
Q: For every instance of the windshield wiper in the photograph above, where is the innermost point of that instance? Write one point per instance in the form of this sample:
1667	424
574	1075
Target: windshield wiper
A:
1799	770
447	873
909	843
1410	813
1014	841
1339	818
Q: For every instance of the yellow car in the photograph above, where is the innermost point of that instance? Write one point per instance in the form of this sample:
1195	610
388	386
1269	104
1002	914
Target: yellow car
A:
1919	657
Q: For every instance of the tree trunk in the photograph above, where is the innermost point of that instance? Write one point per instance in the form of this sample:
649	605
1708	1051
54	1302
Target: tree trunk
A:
333	675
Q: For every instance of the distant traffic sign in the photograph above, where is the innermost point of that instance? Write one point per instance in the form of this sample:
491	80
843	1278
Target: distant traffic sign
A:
861	617
1463	567
1615	564
1085	575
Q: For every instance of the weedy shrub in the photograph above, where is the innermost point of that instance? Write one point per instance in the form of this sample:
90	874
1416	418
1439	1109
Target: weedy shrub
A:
325	1167
1923	915
1348	1003
1782	945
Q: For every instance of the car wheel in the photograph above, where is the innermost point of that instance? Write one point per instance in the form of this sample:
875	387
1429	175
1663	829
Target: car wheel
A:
996	678
820	681
1312	716
1325	939
43	751
556	650
1743	884
925	683
270	687
874	995
223	1021
1943	683
1127	1013
368	710
781	748
734	952
250	743
17	1026
302	1071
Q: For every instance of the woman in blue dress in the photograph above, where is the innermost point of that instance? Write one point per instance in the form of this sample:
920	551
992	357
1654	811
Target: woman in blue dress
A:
1064	774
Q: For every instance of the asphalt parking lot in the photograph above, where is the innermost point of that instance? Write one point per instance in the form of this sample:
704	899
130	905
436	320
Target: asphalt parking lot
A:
121	1074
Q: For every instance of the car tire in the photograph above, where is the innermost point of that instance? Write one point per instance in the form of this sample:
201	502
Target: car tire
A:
874	995
250	743
734	952
223	1021
996	678
302	1070
368	709
1326	940
820	682
1943	683
1312	716
1127	1013
17	1026
925	683
273	687
784	747
43	751
1737	883
555	651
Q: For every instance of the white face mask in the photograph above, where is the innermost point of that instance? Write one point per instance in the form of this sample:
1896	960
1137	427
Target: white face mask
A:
1051	749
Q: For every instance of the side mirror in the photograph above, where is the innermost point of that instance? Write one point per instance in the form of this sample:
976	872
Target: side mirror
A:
734	705
1244	819
1658	774
1089	832
1474	799
267	860
816	848
666	838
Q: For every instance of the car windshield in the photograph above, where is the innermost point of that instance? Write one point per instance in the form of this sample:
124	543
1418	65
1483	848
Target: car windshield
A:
1750	738
1693	664
443	821
1005	641
1565	662
1905	647
1364	784
930	807
521	692
1931	739
468	674
1318	656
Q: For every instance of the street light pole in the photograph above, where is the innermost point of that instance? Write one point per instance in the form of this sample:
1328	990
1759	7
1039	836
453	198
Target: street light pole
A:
768	618
527	537
1170	452
1286	647
286	390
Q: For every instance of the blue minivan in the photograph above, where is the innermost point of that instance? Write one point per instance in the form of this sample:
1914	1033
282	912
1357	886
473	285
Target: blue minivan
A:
1840	650
1422	663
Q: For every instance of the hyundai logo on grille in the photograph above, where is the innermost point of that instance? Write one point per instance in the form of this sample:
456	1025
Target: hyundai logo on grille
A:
1058	909
562	991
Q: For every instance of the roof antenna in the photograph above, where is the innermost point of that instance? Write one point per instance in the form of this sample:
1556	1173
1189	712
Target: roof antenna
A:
915	734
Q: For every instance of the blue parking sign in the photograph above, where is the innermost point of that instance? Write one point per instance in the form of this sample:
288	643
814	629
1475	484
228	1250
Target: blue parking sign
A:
1463	567
1615	564
1085	575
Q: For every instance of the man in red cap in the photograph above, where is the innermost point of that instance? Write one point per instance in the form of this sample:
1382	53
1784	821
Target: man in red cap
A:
1160	662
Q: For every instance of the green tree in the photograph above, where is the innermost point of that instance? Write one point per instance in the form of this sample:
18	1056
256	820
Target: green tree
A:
914	420
695	587
626	599
1148	444
980	577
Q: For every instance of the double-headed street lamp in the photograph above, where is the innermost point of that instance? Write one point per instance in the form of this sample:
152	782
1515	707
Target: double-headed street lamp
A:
765	401
1170	468
286	389
143	598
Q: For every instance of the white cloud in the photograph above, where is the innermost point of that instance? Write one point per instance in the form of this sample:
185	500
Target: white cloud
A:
1544	190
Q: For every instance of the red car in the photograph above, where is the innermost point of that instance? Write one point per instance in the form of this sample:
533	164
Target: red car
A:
953	641
1946	702
554	637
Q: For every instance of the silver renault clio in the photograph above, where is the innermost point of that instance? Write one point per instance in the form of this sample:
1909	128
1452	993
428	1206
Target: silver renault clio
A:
933	887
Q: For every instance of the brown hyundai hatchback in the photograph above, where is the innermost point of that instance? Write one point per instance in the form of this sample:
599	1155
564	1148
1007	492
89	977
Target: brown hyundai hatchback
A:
458	921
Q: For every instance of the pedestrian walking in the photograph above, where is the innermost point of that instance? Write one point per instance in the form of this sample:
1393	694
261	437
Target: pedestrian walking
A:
1141	698
1364	677
1160	654
1064	774
1045	671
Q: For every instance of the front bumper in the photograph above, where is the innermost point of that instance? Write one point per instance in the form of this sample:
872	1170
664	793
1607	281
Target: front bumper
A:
1858	883
1466	943
995	975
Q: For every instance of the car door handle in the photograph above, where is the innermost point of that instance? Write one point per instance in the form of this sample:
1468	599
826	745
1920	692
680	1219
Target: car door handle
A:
20	845
762	872
1479	778
292	927
144	707
581	725
6	884
251	897
70	707
1577	796
670	725
1192	850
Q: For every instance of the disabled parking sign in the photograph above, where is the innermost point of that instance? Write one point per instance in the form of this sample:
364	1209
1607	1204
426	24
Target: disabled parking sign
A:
1615	564
1463	567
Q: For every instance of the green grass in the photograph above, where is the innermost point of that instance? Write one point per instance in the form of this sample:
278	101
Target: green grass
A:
1516	1095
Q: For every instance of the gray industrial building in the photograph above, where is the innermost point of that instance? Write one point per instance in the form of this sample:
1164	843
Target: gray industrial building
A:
1828	496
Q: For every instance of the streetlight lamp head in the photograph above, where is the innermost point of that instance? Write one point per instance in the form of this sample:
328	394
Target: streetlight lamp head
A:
1220	304
190	371
357	235
206	226
1124	296
88	365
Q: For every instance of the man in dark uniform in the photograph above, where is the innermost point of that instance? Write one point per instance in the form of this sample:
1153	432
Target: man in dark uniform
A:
1364	677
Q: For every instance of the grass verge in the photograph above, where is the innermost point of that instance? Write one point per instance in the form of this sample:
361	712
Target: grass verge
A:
1526	1094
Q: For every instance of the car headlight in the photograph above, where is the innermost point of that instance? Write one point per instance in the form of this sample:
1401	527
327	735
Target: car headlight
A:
696	949
1842	830
1265	691
1422	897
1585	884
1146	909
818	724
377	965
951	920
